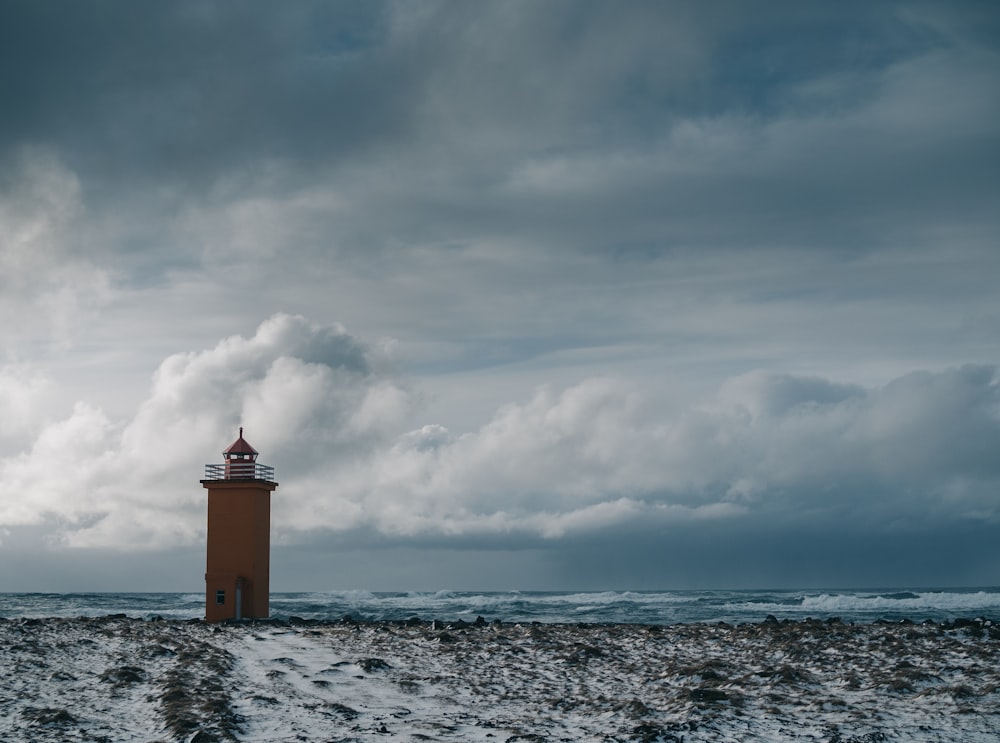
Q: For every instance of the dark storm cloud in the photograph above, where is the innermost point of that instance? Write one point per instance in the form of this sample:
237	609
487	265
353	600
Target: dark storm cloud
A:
193	92
452	151
186	89
755	554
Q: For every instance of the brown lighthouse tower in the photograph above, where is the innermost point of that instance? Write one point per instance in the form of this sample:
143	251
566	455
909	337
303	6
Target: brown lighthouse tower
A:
237	573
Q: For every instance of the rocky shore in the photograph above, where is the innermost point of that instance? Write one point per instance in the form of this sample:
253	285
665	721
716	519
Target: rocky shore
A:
120	679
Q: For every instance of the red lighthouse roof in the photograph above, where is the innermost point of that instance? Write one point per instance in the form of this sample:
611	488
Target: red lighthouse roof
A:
240	446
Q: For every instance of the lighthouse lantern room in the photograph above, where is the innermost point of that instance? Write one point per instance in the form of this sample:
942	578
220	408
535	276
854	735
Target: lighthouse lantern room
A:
237	573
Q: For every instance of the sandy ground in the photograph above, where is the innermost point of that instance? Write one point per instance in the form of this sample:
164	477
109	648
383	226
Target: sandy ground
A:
120	679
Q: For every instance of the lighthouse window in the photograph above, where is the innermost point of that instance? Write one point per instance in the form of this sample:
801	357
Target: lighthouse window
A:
220	598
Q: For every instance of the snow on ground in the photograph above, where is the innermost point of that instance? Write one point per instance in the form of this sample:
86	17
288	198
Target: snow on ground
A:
119	679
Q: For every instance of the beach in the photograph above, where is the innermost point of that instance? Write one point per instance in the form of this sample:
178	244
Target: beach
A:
117	678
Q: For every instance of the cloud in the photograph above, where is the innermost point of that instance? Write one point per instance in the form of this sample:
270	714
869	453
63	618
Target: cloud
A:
308	392
179	90
766	446
602	460
49	283
499	177
23	392
637	127
517	184
653	268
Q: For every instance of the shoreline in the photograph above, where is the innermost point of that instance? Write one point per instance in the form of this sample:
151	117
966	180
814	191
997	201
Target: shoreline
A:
987	624
659	607
117	678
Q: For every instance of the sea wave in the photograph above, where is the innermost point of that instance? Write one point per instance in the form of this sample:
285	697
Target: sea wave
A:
904	601
635	607
867	605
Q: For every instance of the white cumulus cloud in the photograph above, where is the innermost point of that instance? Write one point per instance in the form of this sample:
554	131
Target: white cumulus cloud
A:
597	455
306	391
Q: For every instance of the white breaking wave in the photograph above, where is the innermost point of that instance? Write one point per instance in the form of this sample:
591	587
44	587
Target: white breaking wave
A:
894	603
663	607
978	601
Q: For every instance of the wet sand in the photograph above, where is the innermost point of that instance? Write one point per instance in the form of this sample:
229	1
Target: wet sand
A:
120	679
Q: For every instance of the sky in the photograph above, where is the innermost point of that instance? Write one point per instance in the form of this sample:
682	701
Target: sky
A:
512	295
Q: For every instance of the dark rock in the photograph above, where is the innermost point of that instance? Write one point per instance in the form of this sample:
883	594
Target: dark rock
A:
636	709
409	687
786	674
582	652
710	674
342	710
770	619
373	664
707	694
48	716
962	691
972	627
124	675
480	622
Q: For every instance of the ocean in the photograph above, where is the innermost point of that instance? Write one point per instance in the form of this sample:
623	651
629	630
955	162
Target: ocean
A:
621	607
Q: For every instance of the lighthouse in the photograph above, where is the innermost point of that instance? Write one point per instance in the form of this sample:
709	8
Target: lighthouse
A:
237	572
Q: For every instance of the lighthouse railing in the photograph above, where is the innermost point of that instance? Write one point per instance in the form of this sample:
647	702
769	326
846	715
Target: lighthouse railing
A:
239	471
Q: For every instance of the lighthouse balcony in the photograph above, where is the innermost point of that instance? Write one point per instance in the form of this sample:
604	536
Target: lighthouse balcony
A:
239	470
